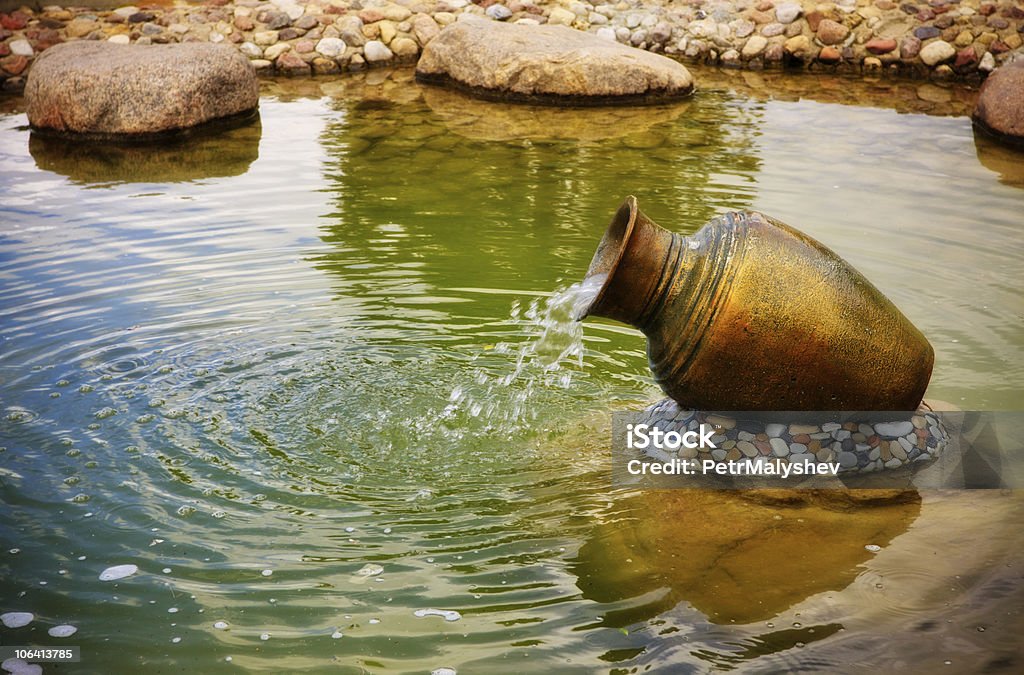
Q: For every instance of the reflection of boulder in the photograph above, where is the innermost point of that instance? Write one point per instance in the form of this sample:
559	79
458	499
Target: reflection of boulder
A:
485	121
732	558
227	152
1005	161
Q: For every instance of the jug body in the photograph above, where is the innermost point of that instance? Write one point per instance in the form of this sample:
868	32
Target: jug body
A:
751	314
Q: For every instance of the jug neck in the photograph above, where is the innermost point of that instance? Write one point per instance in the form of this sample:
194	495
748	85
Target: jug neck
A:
641	262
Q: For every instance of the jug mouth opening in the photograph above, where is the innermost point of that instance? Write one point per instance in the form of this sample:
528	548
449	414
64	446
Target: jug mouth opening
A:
610	251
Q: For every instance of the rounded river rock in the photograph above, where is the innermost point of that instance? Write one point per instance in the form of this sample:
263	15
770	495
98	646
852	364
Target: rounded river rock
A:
111	90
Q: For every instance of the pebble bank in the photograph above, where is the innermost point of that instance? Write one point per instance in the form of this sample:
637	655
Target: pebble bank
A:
942	39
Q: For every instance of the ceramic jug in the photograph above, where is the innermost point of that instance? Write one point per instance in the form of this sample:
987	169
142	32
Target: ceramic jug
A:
751	314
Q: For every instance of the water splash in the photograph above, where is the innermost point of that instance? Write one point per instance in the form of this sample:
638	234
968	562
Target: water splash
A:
550	357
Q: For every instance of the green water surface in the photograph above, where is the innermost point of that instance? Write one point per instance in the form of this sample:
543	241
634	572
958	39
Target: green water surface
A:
230	363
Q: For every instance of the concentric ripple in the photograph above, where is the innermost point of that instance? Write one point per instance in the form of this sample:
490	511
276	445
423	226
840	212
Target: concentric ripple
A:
298	378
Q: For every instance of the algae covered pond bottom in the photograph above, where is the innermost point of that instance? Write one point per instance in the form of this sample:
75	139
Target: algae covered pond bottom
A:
266	405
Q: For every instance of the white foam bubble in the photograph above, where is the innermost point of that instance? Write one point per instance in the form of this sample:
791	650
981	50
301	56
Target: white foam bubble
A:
118	572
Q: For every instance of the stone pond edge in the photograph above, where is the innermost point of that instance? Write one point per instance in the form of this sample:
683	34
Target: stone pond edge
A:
326	37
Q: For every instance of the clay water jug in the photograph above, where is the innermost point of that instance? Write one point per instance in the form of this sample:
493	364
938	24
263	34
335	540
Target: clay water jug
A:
751	314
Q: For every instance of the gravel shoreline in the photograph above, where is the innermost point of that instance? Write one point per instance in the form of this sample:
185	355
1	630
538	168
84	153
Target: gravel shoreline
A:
940	39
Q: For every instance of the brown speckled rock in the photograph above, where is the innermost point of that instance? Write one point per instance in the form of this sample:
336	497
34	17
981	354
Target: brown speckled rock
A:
1000	108
547	64
110	90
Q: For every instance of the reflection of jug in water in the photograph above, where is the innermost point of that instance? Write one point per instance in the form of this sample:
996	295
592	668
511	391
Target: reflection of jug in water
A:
750	314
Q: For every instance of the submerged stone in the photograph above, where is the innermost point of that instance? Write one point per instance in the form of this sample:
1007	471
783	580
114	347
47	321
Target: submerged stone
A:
547	64
104	89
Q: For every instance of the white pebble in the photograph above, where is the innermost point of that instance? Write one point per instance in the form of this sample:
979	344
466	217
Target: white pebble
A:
62	631
267	573
446	614
17	619
175	640
337	634
369	570
220	625
118	572
873	548
265	636
21	667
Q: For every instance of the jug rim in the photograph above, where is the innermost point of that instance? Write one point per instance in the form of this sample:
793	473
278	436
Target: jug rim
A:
605	261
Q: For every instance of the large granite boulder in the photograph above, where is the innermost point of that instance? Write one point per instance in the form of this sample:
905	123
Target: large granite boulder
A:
547	64
1000	108
109	90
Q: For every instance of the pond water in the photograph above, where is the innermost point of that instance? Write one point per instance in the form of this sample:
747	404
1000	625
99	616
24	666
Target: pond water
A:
273	370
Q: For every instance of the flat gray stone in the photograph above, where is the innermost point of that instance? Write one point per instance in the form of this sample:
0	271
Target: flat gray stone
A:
894	429
104	89
547	64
